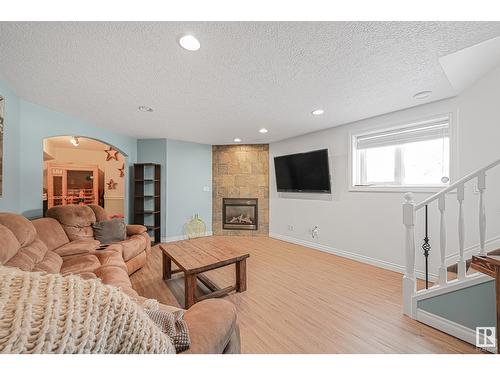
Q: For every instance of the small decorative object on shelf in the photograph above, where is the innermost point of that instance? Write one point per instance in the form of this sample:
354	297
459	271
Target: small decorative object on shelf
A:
122	170
195	227
112	184
111	154
147	199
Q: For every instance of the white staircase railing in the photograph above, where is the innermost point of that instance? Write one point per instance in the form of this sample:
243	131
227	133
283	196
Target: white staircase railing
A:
409	213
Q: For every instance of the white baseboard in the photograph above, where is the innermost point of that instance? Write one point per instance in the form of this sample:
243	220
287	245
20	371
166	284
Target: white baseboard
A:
182	237
447	326
350	255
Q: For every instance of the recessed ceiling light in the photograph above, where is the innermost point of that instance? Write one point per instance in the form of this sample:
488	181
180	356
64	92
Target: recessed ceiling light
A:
144	108
318	112
237	140
189	42
263	131
422	94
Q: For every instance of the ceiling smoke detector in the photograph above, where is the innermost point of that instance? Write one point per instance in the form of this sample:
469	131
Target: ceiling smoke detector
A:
318	112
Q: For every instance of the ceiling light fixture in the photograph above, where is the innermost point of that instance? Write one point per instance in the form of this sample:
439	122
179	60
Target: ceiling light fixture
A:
263	131
144	108
189	42
75	141
318	112
237	140
422	94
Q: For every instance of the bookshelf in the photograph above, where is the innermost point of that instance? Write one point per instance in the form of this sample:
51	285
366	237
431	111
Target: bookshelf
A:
147	198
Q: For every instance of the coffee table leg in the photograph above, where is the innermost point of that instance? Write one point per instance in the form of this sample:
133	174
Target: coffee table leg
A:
190	290
167	267
241	275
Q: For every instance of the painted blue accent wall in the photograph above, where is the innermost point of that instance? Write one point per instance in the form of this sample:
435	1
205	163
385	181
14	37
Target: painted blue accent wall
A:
189	170
9	201
37	123
155	151
26	126
186	170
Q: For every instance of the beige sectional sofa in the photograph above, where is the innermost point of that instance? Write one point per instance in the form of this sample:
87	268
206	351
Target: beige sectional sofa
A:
46	245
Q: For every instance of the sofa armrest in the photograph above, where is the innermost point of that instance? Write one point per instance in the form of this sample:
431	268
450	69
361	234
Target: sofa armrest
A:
135	229
213	328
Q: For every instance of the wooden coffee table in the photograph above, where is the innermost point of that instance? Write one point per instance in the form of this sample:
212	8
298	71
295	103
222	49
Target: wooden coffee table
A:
193	257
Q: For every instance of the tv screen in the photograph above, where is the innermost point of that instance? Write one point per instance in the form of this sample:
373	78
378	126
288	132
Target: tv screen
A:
307	172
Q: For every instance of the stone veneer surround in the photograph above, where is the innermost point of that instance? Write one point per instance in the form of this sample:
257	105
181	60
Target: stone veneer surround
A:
240	171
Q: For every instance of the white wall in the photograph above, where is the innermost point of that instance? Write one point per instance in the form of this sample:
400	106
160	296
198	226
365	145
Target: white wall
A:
367	225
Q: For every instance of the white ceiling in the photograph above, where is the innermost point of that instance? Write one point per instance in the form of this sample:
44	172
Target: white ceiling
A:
247	75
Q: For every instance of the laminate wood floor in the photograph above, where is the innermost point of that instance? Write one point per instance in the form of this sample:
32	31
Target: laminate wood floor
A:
301	300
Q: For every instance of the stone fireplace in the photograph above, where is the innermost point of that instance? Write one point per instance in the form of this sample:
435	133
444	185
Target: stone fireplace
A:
240	188
240	213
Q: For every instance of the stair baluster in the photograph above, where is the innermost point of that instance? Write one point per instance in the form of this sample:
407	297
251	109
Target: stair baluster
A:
443	273
461	232
481	186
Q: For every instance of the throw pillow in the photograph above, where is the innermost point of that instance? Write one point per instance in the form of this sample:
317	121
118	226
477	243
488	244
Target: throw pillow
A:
110	231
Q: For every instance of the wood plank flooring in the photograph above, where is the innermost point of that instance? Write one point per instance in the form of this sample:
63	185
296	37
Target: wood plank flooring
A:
301	300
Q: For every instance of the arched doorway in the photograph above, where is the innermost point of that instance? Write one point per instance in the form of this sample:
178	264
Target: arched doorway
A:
81	170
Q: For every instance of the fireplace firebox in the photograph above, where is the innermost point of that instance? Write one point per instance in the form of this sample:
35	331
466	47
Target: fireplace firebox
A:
239	213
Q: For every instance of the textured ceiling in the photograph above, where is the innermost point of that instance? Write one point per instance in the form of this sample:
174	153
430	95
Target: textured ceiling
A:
244	77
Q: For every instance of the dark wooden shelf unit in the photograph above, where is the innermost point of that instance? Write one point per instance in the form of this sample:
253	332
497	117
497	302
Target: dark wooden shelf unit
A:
147	198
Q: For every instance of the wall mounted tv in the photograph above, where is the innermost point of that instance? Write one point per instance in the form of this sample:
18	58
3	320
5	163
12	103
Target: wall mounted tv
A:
307	172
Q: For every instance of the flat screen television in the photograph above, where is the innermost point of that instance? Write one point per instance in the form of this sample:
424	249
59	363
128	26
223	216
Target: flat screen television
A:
307	172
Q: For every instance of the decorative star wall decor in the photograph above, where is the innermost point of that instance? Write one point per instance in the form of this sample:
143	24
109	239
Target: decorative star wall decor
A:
111	154
112	184
122	170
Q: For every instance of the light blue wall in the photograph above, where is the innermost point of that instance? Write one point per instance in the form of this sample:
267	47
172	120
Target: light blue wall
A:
471	307
26	126
37	123
189	169
11	140
155	151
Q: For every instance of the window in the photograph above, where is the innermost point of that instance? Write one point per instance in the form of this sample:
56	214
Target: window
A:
416	155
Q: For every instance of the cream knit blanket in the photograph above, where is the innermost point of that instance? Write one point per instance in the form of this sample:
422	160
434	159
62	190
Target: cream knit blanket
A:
49	313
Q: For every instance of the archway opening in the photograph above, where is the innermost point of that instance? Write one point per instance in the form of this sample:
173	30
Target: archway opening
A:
81	170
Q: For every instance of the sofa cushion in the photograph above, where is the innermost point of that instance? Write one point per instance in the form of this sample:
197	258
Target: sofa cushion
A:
211	324
133	246
115	276
79	264
76	220
109	231
135	229
51	263
111	258
50	232
10	244
21	227
99	212
77	247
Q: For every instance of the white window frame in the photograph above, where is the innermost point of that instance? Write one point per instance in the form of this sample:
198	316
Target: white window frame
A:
401	188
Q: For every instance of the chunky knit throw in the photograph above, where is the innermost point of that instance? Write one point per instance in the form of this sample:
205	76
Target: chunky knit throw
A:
49	313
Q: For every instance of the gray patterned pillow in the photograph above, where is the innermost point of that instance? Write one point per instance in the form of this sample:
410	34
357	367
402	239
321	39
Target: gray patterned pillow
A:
110	231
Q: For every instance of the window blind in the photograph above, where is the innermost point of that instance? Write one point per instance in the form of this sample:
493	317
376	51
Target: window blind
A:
435	129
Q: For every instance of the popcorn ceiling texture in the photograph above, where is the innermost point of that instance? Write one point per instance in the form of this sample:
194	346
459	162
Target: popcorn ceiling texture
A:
246	75
240	172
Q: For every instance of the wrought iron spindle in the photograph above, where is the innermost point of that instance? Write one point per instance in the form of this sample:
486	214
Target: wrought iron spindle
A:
426	247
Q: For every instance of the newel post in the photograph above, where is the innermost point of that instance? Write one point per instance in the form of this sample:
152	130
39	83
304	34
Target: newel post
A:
409	282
